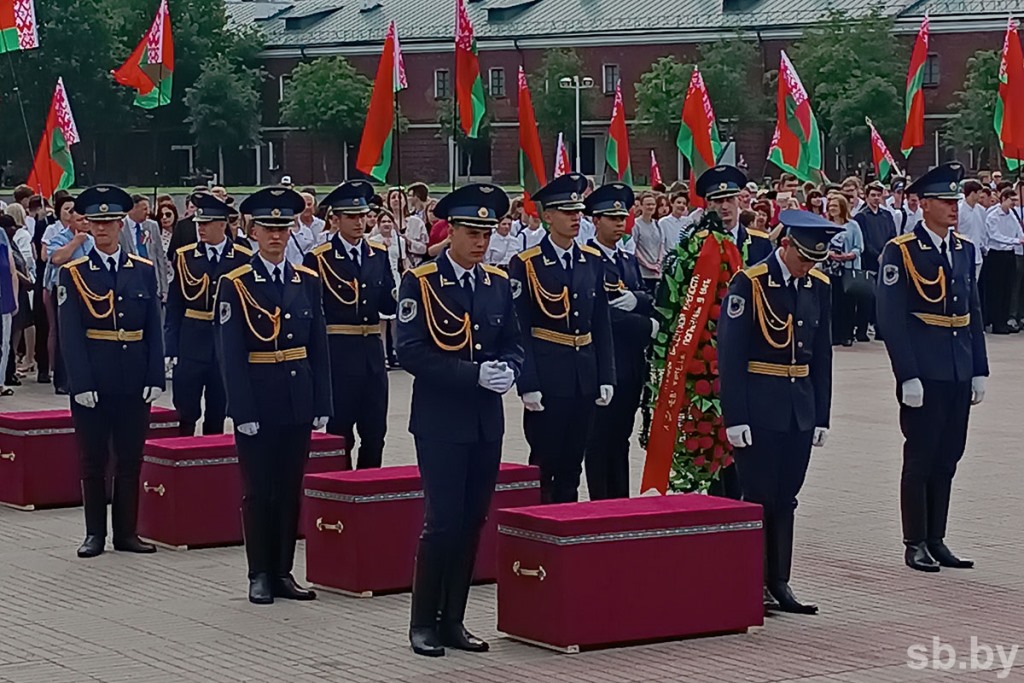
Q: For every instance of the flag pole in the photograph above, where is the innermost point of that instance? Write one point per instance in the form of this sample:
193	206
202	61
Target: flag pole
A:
455	114
398	139
21	105
154	135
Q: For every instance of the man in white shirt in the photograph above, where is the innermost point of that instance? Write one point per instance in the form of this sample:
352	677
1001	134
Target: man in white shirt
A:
532	234
140	235
1004	239
300	240
971	221
503	245
308	219
674	223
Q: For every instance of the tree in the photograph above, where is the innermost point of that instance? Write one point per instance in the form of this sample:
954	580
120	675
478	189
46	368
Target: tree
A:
971	128
659	97
555	106
224	109
729	67
327	96
443	115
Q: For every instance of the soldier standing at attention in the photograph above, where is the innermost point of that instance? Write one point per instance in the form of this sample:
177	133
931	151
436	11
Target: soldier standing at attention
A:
930	314
558	287
358	288
775	365
272	343
109	313
459	338
188	322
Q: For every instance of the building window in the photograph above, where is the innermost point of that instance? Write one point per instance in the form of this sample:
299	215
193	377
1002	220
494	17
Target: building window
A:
442	84
931	71
610	78
282	82
496	78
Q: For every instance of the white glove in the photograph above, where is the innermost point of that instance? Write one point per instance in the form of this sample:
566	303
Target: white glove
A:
249	428
977	390
505	380
655	328
496	376
320	422
532	401
626	302
89	399
170	362
739	436
913	393
820	436
607	392
150	394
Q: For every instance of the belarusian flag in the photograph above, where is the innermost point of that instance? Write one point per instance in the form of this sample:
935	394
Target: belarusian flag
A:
796	145
53	169
698	134
884	163
374	157
469	87
18	28
617	151
562	163
150	67
913	132
531	158
1009	111
655	171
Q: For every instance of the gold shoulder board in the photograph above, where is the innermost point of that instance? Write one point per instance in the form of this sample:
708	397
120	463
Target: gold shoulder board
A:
139	258
494	270
702	233
820	275
243	250
425	269
77	262
903	239
965	238
187	248
377	245
303	269
321	248
238	272
756	270
757	233
528	253
589	249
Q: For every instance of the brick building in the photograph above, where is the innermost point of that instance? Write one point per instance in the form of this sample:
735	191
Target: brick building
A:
615	38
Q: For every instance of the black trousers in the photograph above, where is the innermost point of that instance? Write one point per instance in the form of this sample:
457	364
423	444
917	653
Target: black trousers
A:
458	484
272	465
558	437
1000	271
115	427
607	454
42	324
192	379
361	403
935	436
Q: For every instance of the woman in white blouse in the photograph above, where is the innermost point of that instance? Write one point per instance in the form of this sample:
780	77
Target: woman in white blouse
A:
411	227
385	233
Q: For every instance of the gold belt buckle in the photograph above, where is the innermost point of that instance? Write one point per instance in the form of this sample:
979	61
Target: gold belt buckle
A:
366	330
279	356
122	335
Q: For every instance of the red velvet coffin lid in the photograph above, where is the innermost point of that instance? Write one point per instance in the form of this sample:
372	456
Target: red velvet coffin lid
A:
397	479
633	514
222	446
36	419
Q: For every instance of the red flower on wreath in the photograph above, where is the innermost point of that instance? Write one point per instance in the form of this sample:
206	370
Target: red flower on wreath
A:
704	428
703	388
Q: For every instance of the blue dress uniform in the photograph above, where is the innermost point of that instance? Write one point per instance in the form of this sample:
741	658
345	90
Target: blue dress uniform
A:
567	336
109	314
358	288
929	311
188	322
607	454
452	330
757	244
272	345
775	365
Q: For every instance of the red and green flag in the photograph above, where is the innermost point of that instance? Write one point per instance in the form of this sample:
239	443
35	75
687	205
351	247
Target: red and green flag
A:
616	153
53	168
150	67
562	163
469	86
655	171
531	158
796	145
374	157
18	28
913	132
698	139
884	163
1009	110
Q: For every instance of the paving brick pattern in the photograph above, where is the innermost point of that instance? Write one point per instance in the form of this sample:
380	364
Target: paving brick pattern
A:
183	616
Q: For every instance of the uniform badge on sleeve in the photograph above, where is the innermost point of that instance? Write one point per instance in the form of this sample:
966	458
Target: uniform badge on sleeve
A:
890	274
735	306
62	295
517	288
225	312
406	310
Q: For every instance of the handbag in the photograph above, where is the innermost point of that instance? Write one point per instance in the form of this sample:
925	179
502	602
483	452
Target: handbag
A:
858	283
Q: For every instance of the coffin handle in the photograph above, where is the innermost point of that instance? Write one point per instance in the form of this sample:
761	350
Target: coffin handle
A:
538	573
321	525
7	456
159	490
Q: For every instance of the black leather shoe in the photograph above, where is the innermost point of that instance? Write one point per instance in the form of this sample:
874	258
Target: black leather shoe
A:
847	343
424	641
787	601
945	557
259	590
134	544
92	546
43	378
769	602
863	338
456	636
285	587
917	557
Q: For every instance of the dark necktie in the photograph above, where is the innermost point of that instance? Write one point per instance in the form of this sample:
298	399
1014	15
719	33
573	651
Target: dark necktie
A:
567	257
467	282
140	244
213	257
354	253
112	267
278	280
945	252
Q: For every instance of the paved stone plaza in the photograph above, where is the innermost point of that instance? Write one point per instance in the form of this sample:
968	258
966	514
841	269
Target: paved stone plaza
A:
183	616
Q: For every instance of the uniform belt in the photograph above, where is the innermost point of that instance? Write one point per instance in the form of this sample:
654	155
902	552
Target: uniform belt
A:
196	314
576	341
115	335
944	320
354	330
778	369
261	357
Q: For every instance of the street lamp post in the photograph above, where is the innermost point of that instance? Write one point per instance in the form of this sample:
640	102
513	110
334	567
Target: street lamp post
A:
577	84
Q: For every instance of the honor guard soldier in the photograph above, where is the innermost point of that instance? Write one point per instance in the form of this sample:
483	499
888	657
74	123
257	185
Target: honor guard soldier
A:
929	312
607	455
775	365
720	187
113	349
459	338
188	321
558	287
358	288
272	341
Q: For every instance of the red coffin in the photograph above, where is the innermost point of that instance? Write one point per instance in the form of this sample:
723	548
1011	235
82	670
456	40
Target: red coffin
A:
192	488
622	571
362	527
39	456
